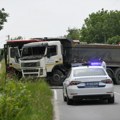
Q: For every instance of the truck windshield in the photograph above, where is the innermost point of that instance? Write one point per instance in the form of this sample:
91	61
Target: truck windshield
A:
14	52
33	51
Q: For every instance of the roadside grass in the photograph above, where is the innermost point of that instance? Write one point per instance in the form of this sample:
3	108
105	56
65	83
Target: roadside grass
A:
2	72
40	107
39	99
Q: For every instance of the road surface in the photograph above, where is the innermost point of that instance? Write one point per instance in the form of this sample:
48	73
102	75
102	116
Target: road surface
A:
88	110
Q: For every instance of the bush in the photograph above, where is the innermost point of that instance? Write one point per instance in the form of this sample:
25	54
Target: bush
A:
26	99
14	99
114	40
41	107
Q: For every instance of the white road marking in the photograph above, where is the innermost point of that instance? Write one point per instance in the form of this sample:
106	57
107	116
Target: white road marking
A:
117	93
56	111
55	94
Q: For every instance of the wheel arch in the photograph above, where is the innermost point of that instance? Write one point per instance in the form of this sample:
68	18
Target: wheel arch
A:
59	67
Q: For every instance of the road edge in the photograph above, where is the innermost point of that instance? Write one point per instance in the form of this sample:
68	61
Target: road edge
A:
55	106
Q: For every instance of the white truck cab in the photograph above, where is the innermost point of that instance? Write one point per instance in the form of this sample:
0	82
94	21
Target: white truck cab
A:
39	58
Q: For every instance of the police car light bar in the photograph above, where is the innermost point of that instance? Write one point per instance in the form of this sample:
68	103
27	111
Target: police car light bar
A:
95	63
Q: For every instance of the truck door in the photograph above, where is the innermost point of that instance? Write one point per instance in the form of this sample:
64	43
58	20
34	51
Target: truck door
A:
13	56
53	57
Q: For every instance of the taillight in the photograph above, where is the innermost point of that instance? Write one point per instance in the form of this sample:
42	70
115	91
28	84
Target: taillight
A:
74	83
107	81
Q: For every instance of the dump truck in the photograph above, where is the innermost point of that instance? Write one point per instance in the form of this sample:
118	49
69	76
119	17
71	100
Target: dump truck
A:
53	58
50	58
105	52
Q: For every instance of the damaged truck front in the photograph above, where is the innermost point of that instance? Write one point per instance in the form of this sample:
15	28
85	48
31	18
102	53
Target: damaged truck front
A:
32	60
43	59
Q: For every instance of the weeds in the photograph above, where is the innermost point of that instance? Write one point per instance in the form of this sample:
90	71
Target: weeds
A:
25	99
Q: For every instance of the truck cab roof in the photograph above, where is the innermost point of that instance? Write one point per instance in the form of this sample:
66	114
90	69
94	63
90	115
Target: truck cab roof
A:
45	43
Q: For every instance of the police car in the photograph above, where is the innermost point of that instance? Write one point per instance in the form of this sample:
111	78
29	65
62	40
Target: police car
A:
88	82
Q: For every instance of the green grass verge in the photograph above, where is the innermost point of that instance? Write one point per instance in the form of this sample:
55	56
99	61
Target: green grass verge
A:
40	107
2	73
40	102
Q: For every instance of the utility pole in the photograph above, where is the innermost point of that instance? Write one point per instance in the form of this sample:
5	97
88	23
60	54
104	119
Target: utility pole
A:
8	37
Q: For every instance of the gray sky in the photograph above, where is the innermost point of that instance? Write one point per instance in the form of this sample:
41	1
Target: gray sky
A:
48	18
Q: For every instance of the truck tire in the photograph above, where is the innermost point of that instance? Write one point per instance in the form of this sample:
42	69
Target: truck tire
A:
18	74
110	72
58	78
117	76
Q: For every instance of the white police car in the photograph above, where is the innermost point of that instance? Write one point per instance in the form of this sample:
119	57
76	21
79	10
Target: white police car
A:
88	82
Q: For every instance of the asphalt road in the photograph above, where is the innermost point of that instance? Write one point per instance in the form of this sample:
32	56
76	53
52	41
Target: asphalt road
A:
88	110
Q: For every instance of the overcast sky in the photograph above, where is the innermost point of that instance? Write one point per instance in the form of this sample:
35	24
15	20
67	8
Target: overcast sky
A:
48	18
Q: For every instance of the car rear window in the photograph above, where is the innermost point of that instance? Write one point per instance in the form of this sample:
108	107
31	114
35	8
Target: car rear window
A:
89	72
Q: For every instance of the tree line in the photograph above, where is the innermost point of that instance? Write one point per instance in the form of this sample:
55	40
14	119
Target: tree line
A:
100	27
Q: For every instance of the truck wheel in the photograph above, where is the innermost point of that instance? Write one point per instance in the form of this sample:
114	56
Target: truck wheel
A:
117	76
18	74
110	73
58	78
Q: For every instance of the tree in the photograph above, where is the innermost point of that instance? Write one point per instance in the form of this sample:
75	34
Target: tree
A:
101	26
17	38
3	17
73	33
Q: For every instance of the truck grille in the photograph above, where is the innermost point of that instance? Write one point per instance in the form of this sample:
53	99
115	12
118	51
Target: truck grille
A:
31	70
31	64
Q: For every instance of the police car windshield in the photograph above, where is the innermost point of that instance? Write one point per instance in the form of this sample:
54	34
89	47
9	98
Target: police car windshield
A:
89	72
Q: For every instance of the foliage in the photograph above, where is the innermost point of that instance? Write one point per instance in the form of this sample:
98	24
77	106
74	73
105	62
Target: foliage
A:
2	72
101	26
17	38
14	99
73	33
41	106
26	99
114	40
3	17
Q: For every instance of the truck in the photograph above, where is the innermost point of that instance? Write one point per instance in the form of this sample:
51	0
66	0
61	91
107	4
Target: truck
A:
54	57
105	52
50	58
12	52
